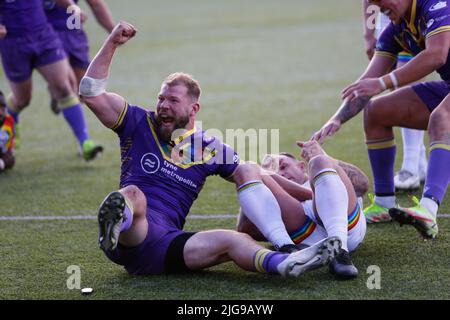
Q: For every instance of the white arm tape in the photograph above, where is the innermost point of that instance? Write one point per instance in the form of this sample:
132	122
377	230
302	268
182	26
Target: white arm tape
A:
90	87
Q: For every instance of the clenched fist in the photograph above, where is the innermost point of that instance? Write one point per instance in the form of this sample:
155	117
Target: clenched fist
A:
121	33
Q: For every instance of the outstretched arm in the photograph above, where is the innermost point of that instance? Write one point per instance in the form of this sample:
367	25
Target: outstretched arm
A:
102	14
106	106
351	106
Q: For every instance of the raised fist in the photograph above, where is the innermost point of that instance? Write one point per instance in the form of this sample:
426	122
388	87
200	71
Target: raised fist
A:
121	33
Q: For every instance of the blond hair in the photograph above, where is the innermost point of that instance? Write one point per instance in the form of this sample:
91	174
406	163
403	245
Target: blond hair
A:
180	78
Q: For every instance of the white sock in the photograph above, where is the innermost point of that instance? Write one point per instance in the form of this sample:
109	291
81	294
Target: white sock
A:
430	205
332	204
423	163
412	142
387	202
261	207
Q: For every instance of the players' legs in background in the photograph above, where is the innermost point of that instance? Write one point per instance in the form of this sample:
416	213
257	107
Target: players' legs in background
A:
57	76
79	74
400	108
259	205
122	218
16	101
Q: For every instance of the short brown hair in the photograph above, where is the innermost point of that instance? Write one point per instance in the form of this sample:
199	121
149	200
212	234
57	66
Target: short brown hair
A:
192	85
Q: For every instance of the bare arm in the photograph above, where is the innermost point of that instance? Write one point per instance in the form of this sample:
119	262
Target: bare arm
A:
108	106
102	14
369	14
294	189
426	62
379	66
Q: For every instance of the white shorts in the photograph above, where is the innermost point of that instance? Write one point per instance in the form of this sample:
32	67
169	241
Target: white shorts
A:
355	235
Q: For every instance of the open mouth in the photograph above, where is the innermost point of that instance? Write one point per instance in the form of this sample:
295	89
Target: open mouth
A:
166	120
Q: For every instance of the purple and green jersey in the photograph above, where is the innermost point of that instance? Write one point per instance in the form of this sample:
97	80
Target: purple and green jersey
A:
428	18
170	175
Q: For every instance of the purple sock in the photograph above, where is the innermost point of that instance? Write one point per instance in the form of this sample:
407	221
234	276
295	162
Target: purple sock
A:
438	173
126	224
75	117
267	261
382	160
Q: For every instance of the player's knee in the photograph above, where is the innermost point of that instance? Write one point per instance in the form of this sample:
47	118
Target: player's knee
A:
61	90
439	123
22	102
246	172
371	114
318	163
136	197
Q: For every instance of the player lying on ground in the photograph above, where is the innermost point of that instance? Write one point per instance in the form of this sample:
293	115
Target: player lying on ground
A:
421	27
317	200
7	159
165	162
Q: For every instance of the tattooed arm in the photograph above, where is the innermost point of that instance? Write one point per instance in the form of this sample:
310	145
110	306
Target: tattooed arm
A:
358	178
352	105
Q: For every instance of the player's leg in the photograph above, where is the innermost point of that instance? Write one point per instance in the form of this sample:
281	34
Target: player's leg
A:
209	248
334	203
297	224
122	219
260	205
410	175
403	108
16	56
57	76
423	215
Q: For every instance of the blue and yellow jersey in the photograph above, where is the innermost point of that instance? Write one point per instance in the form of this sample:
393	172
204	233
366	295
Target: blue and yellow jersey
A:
428	18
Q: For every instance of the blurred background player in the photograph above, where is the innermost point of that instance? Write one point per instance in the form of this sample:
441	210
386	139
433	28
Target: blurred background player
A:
29	43
7	159
329	192
165	163
423	28
414	164
74	40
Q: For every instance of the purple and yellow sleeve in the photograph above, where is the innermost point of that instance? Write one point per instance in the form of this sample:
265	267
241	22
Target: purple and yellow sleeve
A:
437	18
128	119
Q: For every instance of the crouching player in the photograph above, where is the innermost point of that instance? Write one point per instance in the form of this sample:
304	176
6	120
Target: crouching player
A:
7	159
165	162
317	200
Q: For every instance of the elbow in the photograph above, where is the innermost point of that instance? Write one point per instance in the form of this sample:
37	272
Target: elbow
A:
439	59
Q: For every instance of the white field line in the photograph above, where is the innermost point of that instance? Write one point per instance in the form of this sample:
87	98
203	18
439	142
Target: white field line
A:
79	217
192	216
